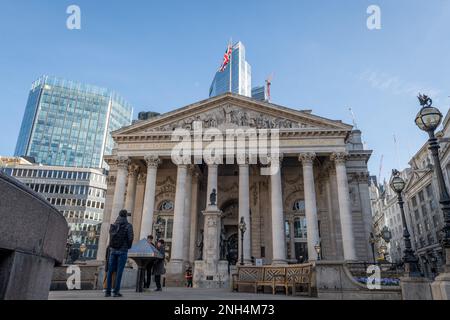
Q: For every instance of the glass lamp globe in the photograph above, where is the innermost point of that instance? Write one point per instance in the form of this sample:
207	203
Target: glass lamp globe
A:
428	118
242	225
397	184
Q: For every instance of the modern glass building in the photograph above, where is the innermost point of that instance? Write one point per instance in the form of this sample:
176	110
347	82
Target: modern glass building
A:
68	123
241	75
259	93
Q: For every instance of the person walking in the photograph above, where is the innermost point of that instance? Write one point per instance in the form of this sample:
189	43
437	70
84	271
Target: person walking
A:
148	275
158	266
121	239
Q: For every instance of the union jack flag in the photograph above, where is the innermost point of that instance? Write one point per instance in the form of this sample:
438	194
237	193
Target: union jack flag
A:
226	58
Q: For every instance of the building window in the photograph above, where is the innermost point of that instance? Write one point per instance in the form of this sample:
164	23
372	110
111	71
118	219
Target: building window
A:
424	210
429	190
421	197
300	228
414	201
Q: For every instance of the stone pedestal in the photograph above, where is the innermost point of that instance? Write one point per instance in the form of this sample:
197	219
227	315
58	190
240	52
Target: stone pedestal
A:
414	288
210	272
440	288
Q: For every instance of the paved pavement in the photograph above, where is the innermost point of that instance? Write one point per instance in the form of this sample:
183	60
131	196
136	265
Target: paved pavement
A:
172	294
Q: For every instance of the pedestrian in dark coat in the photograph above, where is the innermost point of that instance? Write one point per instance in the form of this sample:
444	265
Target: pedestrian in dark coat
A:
121	239
158	265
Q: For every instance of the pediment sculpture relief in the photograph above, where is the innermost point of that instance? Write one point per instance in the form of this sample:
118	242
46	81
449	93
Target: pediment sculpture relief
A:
231	117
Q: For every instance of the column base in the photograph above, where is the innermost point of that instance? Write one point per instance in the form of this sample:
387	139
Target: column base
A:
279	262
440	288
210	274
175	273
415	288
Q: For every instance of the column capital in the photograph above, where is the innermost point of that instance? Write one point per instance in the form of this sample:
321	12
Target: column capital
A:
307	157
123	162
213	165
339	157
133	170
183	166
152	160
142	177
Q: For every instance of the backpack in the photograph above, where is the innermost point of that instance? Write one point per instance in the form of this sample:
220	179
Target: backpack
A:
118	235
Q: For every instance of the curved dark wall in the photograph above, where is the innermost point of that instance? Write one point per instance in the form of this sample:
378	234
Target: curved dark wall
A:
33	237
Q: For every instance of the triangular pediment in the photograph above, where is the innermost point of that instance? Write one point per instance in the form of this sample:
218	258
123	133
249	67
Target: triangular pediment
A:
234	111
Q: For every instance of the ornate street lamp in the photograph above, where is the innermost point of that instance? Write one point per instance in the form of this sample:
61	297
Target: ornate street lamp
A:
386	234
318	248
83	248
243	228
411	262
428	119
159	228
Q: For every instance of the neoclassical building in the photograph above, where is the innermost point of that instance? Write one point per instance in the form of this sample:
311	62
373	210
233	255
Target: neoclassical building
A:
319	197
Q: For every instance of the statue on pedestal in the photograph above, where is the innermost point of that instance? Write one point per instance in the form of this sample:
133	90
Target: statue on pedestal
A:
213	197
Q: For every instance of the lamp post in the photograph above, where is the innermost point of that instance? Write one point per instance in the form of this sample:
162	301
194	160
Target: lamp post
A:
372	241
428	119
83	250
158	228
318	248
411	262
243	228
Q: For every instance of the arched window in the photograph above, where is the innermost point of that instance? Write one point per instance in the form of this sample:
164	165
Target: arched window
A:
299	205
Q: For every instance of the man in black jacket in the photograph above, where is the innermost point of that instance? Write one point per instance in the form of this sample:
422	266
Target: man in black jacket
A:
120	240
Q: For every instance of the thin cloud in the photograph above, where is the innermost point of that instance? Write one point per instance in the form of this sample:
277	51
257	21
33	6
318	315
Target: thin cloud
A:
396	85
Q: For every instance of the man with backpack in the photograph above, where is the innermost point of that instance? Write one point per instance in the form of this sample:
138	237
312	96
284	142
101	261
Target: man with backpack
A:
121	239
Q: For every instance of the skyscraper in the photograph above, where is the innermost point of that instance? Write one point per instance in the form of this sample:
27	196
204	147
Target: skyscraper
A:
260	93
68	123
241	75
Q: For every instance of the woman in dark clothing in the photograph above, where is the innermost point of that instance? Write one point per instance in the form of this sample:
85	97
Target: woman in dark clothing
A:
158	265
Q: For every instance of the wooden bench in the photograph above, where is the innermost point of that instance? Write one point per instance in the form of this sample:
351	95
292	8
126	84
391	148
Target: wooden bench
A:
299	276
290	276
249	276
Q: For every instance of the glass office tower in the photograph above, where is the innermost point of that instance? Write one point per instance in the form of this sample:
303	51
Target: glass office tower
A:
68	123
260	93
241	75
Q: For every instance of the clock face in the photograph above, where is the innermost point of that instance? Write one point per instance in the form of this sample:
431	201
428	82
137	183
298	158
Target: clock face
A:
167	205
299	205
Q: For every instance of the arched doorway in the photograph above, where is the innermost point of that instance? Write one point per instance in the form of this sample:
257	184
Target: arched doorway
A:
230	231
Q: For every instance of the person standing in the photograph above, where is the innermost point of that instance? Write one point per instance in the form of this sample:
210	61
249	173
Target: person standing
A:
148	275
121	239
158	266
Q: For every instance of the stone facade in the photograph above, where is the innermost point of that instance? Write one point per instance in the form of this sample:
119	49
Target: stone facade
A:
320	195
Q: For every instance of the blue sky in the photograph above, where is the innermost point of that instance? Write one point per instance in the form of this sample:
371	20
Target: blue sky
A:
161	55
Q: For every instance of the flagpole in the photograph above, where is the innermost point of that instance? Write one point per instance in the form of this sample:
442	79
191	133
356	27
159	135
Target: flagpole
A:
231	65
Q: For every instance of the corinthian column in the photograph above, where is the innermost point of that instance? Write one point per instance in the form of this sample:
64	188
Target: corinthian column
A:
244	208
345	211
278	231
187	213
153	162
119	190
194	217
178	217
133	171
312	228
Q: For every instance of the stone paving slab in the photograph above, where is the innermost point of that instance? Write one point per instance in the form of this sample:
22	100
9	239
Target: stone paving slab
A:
172	294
